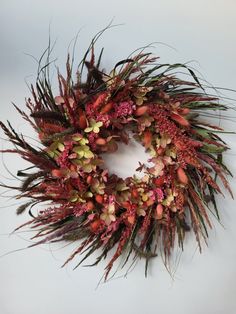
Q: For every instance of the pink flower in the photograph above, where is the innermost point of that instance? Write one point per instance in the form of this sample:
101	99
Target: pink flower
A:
104	118
89	110
91	216
92	140
159	194
63	159
124	108
111	228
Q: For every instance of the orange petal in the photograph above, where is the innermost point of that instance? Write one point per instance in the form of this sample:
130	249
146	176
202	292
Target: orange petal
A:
179	119
82	121
147	138
94	226
182	176
89	179
141	110
134	193
149	202
159	211
90	205
99	198
184	111
57	173
131	219
159	181
101	141
101	98
107	108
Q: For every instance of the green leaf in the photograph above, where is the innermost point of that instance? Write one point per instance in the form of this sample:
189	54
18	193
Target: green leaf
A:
210	148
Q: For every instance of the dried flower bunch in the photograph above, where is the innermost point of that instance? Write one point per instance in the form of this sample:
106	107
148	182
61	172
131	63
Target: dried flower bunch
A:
87	118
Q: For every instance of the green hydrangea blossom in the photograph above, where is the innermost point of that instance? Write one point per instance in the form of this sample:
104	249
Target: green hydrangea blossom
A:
55	148
94	126
83	151
80	139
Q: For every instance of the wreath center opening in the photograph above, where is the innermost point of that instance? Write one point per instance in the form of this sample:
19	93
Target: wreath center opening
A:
126	159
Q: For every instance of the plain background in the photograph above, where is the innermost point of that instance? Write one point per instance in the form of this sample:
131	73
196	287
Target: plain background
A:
32	280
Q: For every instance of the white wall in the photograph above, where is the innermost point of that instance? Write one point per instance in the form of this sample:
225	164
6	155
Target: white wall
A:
32	280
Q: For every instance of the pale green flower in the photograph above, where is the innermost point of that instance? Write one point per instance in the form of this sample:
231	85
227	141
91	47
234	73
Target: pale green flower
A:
140	211
170	197
151	150
87	165
75	197
144	122
121	186
144	197
171	153
88	194
145	178
55	148
157	170
83	151
60	147
97	187
80	139
93	126
108	214
141	93
88	168
123	196
163	141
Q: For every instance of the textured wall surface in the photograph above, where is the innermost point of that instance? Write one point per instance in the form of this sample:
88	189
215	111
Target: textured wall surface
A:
32	280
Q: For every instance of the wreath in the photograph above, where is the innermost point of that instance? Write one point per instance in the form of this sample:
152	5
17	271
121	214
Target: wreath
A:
137	216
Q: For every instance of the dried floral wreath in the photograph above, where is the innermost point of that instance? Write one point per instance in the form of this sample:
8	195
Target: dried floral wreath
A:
136	215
